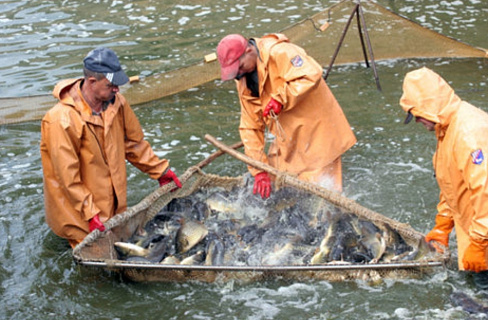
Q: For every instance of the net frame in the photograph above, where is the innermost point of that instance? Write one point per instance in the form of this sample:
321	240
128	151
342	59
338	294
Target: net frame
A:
97	249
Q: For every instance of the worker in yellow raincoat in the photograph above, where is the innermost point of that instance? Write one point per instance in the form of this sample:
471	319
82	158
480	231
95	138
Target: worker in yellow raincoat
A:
85	140
460	167
281	88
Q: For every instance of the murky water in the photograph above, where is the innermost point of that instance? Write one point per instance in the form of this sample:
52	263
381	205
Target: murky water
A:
388	171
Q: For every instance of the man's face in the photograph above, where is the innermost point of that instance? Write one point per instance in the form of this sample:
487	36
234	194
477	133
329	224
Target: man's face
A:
247	62
429	125
104	90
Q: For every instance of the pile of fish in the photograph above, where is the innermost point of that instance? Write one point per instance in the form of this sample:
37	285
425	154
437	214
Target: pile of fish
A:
217	227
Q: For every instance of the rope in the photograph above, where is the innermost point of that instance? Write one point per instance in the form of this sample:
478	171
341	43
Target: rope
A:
279	129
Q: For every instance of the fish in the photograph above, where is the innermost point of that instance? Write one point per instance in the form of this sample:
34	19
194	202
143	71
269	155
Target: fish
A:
347	246
190	234
372	240
170	260
467	303
130	249
201	211
219	203
195	259
146	241
234	249
137	259
421	250
250	233
214	252
322	254
394	240
216	227
154	252
165	223
179	205
282	199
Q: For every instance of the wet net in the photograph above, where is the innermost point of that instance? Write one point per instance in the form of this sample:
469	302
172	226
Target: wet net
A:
347	32
100	249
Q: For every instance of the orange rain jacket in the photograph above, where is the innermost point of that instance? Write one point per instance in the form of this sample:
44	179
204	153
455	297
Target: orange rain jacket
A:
83	159
461	170
312	130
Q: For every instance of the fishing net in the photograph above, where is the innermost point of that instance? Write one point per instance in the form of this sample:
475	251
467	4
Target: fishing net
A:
98	248
347	32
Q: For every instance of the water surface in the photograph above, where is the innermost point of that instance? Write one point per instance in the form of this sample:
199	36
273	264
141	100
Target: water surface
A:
389	170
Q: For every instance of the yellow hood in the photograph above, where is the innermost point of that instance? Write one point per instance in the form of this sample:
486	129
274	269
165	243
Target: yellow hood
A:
428	95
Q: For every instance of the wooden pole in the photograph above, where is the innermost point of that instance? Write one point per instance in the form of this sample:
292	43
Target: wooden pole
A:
217	154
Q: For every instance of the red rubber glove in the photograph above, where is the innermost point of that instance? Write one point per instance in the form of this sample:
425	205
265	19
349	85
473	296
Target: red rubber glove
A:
272	104
168	177
440	232
95	223
262	185
474	258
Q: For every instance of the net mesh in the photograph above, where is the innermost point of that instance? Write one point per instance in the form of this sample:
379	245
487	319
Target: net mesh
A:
385	34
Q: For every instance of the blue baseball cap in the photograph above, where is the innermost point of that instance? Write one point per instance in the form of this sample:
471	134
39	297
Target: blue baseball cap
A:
104	60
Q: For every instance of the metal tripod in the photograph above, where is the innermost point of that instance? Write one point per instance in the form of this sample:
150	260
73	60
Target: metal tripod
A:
358	12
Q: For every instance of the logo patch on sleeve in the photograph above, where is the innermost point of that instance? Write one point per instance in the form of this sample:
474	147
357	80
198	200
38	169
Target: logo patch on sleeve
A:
297	61
477	156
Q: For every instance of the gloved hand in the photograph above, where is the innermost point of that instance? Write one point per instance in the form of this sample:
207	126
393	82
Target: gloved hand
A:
272	104
168	177
474	258
262	185
95	223
440	232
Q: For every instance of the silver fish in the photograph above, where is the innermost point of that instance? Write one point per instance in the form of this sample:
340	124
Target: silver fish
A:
322	254
130	249
215	253
195	259
219	203
190	234
170	260
372	240
154	252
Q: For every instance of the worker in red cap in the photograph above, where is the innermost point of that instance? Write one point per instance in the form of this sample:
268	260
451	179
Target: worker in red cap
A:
460	167
281	88
86	139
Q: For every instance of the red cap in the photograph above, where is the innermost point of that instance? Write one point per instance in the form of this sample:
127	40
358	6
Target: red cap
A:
229	50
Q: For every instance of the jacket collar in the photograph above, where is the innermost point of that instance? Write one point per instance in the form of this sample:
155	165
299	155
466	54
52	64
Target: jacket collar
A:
69	93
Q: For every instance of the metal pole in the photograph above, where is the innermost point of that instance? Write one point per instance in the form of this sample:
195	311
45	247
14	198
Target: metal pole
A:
340	41
370	48
362	39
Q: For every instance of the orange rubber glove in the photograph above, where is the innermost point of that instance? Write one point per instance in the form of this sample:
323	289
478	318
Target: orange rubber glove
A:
262	185
168	177
272	104
474	258
440	232
95	223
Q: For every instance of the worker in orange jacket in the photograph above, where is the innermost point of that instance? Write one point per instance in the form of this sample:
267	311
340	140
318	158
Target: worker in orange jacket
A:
86	139
281	88
460	167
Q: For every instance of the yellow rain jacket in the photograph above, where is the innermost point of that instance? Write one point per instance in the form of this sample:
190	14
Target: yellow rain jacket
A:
83	159
459	161
312	130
